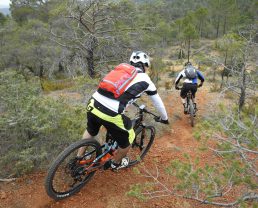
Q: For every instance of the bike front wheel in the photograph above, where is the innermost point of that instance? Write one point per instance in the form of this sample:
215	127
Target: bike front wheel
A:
144	137
191	112
67	174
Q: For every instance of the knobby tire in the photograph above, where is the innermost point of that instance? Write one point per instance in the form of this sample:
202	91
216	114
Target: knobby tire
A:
191	111
144	137
53	170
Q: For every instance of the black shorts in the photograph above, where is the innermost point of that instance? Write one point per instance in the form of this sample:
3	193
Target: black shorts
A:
121	131
186	87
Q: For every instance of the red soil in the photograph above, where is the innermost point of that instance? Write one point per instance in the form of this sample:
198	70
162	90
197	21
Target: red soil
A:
108	189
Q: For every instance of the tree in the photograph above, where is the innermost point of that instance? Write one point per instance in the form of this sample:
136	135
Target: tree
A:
91	32
224	14
240	50
23	10
27	49
201	17
189	33
230	46
3	19
248	36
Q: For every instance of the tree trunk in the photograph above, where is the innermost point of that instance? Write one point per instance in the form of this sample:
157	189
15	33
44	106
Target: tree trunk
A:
224	26
200	28
60	67
243	90
90	62
189	44
90	56
217	28
41	71
214	74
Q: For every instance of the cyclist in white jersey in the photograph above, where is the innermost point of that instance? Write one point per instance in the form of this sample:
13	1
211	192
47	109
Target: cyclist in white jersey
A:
109	112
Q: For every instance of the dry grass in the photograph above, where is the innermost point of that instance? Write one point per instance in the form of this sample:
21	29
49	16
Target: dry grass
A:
52	85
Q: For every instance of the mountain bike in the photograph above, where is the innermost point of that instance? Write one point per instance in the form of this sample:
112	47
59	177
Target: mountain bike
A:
191	108
69	173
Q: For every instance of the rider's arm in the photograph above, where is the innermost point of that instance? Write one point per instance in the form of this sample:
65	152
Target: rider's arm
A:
156	100
179	76
159	105
200	76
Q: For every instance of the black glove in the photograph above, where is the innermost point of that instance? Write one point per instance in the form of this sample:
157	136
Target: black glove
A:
200	84
177	88
158	119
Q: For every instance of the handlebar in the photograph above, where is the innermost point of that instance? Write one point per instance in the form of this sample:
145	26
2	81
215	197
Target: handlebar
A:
143	109
198	86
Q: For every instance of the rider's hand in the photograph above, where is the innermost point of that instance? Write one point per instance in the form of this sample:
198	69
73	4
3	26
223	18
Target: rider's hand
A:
164	121
200	84
177	88
158	119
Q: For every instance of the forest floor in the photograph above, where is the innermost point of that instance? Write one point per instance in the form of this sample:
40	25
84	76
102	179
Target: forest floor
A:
109	189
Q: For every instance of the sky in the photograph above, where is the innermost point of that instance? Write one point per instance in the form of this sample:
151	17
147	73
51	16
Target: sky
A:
4	3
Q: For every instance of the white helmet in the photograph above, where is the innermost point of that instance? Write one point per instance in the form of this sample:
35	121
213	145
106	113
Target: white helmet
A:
140	57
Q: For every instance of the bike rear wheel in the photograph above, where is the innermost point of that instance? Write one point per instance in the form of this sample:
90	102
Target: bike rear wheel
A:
66	175
191	112
144	137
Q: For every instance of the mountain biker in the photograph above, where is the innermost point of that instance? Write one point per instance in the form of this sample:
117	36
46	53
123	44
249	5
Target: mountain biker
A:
110	112
191	75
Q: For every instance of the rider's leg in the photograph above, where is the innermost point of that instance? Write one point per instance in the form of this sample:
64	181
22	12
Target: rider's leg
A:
184	105
124	142
121	153
194	90
86	135
183	93
194	103
92	130
183	101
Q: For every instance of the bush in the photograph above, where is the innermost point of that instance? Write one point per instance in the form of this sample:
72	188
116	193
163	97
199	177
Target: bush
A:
34	128
157	66
52	85
215	87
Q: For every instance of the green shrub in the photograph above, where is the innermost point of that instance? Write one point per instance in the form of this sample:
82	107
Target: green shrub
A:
34	128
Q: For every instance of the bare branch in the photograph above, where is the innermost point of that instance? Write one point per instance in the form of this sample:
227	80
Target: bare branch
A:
7	179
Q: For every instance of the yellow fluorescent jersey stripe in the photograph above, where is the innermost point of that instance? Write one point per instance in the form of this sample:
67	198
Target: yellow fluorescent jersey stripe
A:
117	120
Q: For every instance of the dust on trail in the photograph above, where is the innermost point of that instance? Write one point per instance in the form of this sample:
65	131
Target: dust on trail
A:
108	189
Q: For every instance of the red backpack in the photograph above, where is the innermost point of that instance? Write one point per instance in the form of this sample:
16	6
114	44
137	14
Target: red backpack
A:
115	82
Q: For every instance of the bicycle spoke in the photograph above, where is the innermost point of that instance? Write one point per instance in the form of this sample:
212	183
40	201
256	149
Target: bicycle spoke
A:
69	172
141	145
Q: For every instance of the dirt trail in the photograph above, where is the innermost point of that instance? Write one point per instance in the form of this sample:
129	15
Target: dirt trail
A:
108	189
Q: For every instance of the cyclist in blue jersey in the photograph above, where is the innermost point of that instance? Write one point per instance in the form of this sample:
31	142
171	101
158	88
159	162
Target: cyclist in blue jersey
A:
191	76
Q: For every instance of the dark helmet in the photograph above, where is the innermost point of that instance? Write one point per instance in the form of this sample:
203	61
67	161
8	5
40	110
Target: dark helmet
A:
188	63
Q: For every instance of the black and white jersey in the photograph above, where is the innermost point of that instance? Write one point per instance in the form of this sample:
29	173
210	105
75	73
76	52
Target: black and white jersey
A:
139	85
